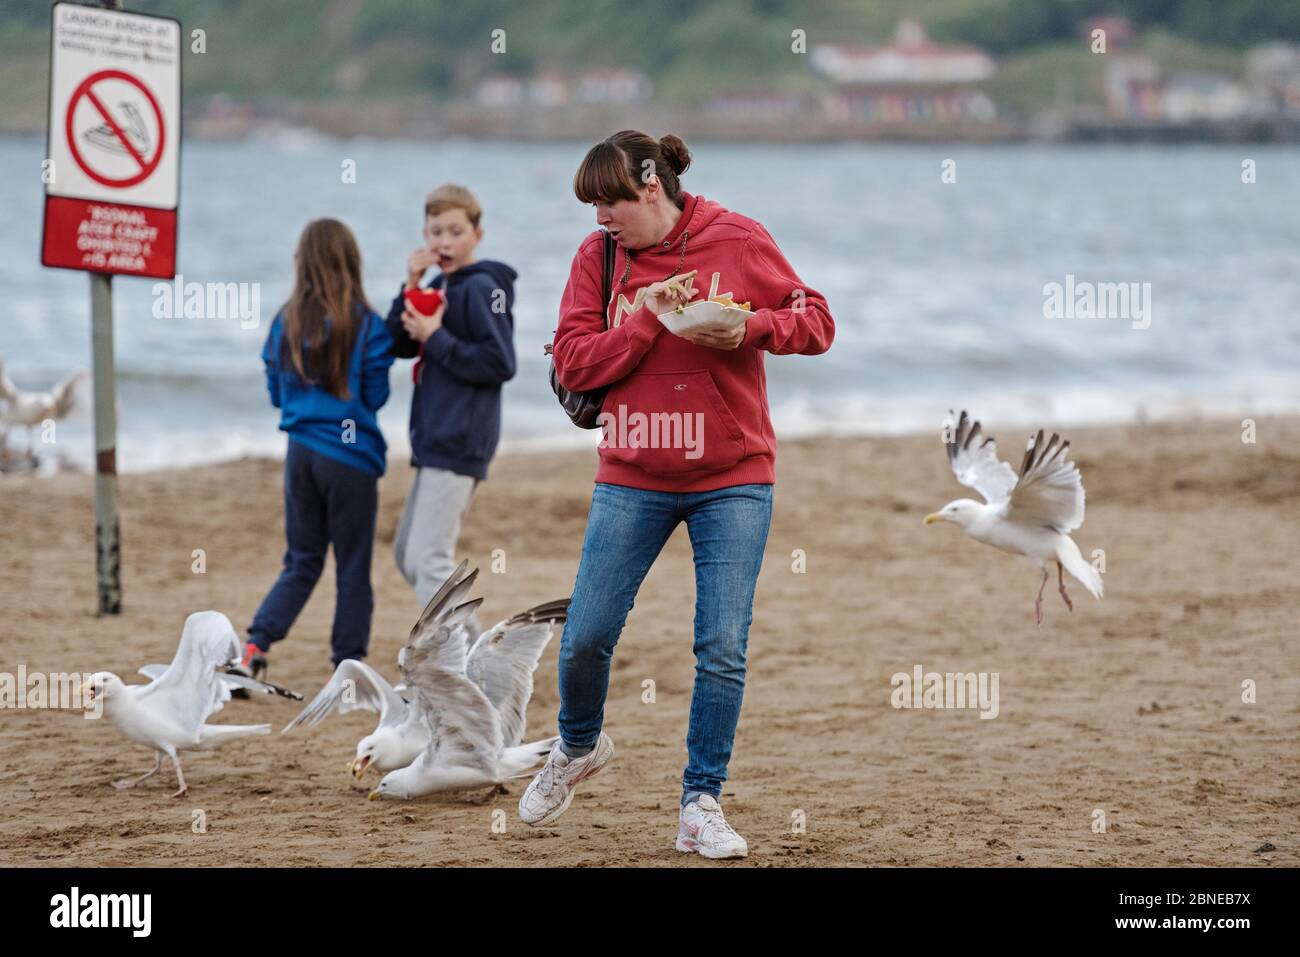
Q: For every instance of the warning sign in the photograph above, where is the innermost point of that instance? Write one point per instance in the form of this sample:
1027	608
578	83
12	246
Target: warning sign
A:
113	170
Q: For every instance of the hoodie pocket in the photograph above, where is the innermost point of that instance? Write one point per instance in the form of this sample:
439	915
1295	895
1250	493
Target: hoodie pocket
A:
670	423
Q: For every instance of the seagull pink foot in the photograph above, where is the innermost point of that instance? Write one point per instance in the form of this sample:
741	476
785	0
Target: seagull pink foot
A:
1065	595
1038	602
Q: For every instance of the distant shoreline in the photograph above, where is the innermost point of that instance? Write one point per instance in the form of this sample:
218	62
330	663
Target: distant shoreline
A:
575	442
395	122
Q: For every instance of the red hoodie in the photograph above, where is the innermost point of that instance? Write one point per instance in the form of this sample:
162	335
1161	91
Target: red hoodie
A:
680	417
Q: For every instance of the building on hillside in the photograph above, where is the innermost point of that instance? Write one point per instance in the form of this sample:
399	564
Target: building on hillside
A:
755	103
1193	96
614	85
1273	71
911	79
1132	88
551	89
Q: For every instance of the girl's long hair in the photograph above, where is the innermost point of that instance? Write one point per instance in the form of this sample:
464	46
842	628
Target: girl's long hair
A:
327	284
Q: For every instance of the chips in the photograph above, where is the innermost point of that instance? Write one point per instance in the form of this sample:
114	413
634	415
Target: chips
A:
726	300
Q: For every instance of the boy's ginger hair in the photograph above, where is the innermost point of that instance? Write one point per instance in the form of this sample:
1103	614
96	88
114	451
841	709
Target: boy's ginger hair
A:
451	196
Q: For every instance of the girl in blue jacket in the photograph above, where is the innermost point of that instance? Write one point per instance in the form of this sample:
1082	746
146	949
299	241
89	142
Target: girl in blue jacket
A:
327	358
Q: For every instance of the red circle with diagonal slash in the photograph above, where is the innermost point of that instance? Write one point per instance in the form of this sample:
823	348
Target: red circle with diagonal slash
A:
146	166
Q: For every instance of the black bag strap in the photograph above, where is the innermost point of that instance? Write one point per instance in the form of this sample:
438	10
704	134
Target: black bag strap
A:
606	284
607	281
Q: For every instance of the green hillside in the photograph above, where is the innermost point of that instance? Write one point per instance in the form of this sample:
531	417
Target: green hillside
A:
379	49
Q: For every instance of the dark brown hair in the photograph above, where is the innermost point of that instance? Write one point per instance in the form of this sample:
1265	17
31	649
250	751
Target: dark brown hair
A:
618	167
327	283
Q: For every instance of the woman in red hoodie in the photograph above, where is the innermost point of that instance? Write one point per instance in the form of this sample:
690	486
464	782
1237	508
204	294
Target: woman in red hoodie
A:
687	437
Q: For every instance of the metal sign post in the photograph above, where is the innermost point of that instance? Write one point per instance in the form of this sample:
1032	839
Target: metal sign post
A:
113	149
108	565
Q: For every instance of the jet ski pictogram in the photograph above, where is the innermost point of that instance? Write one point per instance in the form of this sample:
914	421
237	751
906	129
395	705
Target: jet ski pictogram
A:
134	129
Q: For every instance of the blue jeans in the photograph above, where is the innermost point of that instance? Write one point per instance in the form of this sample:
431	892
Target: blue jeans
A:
626	530
325	503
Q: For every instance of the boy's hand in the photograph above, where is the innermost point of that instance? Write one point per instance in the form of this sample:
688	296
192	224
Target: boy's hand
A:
419	326
419	261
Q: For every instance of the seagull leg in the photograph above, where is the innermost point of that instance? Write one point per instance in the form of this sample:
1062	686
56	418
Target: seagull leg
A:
1060	577
486	798
125	783
1038	602
180	778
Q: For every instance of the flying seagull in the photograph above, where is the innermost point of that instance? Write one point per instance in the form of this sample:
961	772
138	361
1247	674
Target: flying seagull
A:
1029	514
30	409
170	713
473	701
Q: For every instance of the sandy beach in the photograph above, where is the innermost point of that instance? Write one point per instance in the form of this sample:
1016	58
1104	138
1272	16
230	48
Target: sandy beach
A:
1132	705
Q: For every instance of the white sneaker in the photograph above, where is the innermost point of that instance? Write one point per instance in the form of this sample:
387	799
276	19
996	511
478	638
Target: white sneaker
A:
702	828
549	793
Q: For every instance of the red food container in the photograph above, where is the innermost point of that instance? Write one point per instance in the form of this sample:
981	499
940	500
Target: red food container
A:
424	301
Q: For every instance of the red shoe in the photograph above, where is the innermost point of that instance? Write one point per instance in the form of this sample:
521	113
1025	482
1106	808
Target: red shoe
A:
253	665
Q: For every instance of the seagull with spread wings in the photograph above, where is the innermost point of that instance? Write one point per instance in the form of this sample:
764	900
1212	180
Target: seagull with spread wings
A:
170	713
501	662
1029	514
30	409
473	698
402	732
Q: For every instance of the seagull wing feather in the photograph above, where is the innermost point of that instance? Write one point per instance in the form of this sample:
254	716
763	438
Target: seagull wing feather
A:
1049	491
441	624
353	686
504	658
976	463
190	689
458	711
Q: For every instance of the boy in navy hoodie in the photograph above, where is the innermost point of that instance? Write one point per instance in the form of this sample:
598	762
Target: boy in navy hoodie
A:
464	352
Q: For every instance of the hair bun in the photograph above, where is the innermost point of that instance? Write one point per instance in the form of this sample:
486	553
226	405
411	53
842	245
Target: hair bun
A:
675	153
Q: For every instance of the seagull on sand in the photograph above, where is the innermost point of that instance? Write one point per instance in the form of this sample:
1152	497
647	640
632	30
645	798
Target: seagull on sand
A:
1029	514
30	409
402	732
473	699
170	713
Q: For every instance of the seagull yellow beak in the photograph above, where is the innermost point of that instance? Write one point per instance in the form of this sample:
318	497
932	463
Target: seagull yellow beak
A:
373	795
933	517
359	766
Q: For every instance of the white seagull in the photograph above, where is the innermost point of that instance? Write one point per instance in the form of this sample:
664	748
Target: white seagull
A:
473	701
402	732
30	409
170	713
1031	514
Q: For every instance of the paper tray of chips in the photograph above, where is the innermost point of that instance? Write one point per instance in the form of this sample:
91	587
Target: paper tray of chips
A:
706	314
